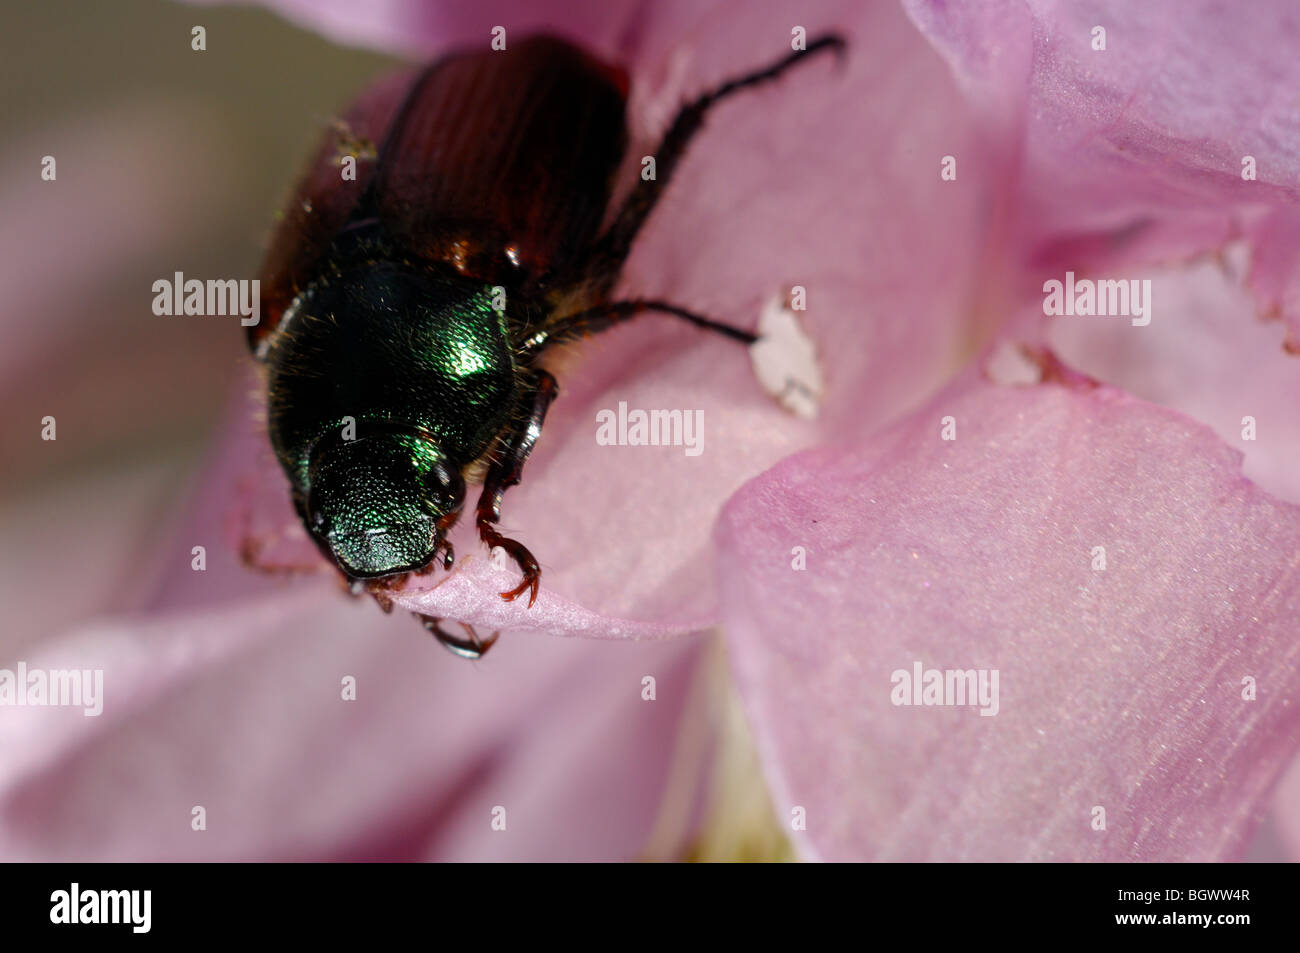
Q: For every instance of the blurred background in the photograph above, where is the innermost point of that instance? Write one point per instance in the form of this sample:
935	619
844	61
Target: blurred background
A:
167	160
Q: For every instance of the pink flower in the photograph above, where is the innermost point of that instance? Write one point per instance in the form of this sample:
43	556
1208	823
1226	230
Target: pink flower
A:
1086	536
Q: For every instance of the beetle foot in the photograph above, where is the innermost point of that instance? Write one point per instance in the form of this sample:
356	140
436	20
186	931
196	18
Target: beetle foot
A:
522	557
470	647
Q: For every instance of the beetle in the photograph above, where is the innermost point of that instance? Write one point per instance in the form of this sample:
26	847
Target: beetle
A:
409	312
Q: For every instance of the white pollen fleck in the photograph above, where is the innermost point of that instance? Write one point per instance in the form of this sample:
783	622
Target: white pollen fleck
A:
785	360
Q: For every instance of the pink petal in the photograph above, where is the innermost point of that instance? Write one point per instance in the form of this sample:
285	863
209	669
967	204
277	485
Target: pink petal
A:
1135	153
1119	688
240	711
1205	354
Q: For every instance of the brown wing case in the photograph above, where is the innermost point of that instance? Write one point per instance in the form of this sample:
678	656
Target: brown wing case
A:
501	156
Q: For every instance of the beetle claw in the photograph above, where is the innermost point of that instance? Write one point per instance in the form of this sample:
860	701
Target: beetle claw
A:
532	580
471	647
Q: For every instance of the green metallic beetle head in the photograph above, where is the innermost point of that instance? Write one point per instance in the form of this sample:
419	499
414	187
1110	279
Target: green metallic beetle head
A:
380	504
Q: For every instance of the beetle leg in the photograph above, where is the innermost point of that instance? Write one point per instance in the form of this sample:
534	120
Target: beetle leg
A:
470	647
504	473
614	245
602	316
